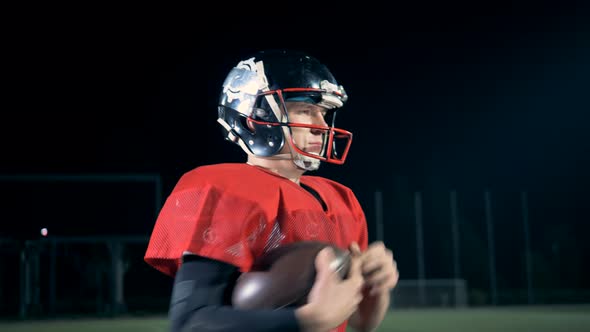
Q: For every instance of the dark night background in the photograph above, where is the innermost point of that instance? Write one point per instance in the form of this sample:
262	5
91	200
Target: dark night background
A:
465	97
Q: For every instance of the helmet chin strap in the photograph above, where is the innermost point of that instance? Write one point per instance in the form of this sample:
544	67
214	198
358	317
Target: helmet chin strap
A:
301	161
307	163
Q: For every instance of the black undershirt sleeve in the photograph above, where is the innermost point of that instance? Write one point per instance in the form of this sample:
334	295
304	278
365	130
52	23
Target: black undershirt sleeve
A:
201	301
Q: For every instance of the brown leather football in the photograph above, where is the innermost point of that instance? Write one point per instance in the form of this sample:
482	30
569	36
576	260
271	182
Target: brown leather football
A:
284	276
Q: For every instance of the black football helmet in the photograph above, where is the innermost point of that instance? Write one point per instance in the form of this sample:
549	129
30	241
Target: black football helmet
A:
253	106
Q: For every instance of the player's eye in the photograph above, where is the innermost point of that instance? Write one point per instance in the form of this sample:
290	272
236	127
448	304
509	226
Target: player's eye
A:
304	112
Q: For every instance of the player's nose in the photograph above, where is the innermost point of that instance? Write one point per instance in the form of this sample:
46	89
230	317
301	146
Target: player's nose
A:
318	120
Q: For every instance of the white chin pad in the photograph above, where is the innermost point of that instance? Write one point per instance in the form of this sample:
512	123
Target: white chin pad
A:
307	163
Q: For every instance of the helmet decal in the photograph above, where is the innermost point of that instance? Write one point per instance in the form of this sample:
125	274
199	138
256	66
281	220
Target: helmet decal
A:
243	83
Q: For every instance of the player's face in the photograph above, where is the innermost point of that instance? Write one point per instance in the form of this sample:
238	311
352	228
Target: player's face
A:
310	140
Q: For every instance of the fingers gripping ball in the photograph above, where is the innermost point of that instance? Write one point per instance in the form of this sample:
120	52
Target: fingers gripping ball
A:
284	276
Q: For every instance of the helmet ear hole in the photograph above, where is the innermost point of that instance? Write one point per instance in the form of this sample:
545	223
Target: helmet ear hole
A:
250	125
262	114
246	122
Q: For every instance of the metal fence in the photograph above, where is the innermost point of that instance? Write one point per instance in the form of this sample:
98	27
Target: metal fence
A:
453	248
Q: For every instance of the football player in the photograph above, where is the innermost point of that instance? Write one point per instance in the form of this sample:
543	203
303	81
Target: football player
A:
280	108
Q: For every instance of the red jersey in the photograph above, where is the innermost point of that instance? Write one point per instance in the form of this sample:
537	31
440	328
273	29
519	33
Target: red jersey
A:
235	212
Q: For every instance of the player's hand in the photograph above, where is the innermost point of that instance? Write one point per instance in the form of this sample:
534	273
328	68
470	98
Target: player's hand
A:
331	300
378	267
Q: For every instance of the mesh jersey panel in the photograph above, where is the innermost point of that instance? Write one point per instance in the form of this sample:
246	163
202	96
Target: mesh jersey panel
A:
205	222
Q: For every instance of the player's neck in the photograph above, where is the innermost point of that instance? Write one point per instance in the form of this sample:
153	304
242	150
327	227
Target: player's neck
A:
284	168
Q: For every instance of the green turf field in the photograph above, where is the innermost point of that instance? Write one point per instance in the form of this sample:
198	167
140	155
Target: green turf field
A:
534	319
